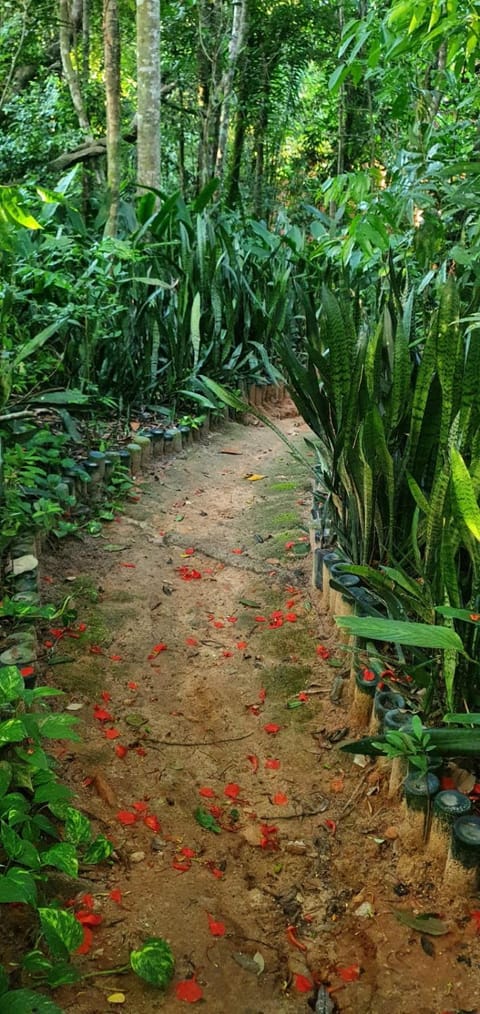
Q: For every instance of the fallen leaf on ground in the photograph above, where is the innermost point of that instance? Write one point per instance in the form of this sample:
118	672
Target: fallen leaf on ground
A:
337	785
423	923
104	789
255	477
116	998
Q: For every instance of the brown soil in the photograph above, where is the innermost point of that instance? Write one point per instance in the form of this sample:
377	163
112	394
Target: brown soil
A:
199	720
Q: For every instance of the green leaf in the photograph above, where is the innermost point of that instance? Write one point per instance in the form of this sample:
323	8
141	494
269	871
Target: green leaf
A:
52	792
18	848
100	849
36	963
63	857
58	727
77	829
5	776
464	492
206	820
12	731
418	635
473	718
422	923
18	886
62	974
35	343
154	962
25	1001
11	684
62	931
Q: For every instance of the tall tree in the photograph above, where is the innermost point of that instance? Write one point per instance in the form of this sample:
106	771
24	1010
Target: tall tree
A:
66	34
148	93
111	39
237	39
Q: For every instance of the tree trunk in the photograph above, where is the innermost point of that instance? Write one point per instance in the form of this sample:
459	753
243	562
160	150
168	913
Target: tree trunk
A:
85	42
111	42
71	75
237	38
148	93
234	194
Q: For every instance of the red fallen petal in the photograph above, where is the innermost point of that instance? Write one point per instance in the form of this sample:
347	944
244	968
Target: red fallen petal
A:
81	627
218	624
27	670
232	790
89	918
182	867
241	644
232	619
291	617
106	696
275	624
262	695
116	895
132	686
125	817
94	649
216	811
322	652
189	991
189	552
101	714
140	807
260	619
131	566
330	826
475	917
87	901
207	792
288	545
112	733
191	640
48	644
157	648
277	614
121	751
57	631
238	552
349	974
48	580
302	696
280	799
189	853
272	728
115	658
253	761
217	929
272	764
152	822
254	708
86	942
227	654
290	603
302	984
140	751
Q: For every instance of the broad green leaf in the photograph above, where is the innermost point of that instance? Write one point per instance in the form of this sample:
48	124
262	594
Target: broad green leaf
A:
154	962
77	829
26	1001
62	973
52	792
472	718
63	857
62	931
35	343
58	727
100	849
418	635
36	962
5	776
18	886
11	684
12	731
18	848
464	492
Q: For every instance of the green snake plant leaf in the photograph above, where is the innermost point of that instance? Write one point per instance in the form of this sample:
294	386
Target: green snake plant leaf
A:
464	493
417	635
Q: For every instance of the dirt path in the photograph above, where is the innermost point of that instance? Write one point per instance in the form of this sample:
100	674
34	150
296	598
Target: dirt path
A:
194	565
